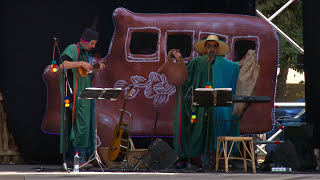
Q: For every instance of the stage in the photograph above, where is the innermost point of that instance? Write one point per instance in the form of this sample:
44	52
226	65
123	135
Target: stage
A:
135	38
31	172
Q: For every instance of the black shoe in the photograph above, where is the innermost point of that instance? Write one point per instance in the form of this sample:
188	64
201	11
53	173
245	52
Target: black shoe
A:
181	165
208	166
70	164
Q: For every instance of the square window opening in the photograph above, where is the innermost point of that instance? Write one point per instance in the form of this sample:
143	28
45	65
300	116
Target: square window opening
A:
241	48
180	41
144	43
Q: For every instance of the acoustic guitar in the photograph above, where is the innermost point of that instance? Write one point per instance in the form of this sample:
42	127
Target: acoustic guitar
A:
120	141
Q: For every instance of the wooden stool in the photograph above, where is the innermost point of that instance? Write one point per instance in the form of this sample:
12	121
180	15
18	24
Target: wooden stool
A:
243	154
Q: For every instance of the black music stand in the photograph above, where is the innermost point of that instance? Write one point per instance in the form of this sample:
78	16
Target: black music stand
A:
101	94
209	97
217	97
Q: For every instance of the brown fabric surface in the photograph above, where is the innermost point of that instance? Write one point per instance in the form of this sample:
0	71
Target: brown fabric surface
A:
249	71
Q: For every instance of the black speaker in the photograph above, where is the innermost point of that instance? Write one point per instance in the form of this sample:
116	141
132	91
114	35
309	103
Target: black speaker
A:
301	138
285	155
160	155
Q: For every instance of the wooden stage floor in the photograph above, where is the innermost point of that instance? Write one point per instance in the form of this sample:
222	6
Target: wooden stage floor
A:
37	172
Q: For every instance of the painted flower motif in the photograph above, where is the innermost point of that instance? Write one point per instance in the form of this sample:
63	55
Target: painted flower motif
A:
139	81
159	89
126	87
156	87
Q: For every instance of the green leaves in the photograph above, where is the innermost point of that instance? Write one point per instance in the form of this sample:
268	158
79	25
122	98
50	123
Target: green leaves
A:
290	22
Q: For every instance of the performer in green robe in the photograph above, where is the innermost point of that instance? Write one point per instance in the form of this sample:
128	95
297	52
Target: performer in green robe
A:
194	139
77	131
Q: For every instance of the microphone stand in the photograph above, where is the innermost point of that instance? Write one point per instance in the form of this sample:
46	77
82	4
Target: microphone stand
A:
65	79
154	125
209	113
187	98
149	147
64	68
209	63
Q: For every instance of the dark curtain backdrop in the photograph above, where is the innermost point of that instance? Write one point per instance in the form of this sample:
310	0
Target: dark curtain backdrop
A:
311	40
27	31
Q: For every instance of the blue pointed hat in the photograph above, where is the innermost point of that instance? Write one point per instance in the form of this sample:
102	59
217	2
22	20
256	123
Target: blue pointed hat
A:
91	33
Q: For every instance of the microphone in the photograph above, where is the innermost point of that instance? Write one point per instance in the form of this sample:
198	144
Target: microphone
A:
210	56
56	39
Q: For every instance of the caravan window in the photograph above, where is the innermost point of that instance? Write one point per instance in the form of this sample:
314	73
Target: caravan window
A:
241	48
183	42
143	43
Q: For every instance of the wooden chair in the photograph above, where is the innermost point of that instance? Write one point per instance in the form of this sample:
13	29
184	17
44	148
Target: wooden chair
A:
226	155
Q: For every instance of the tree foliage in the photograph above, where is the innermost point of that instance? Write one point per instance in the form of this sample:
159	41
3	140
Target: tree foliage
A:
290	22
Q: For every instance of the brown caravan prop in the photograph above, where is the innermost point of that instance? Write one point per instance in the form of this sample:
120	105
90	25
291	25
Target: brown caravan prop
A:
139	48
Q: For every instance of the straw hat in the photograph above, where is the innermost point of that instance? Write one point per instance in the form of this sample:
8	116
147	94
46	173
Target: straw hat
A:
222	49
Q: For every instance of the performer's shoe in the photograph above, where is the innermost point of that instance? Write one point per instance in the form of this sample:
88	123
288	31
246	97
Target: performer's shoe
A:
70	165
65	166
181	164
209	165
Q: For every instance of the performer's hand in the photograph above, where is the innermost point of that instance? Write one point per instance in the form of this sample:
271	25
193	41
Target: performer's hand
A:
86	65
177	55
101	65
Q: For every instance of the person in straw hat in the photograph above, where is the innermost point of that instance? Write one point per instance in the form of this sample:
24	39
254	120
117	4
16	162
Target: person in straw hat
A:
204	130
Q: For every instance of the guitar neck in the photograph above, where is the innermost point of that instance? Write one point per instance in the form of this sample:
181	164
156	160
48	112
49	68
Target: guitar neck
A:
124	104
96	66
122	112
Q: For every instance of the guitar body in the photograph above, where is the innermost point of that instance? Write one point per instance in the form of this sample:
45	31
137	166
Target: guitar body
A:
83	72
121	134
118	149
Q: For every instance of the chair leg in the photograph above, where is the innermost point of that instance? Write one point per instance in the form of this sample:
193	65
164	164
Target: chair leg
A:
217	155
253	157
225	147
244	156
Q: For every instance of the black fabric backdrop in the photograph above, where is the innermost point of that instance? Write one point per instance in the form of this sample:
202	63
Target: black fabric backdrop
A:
27	31
311	41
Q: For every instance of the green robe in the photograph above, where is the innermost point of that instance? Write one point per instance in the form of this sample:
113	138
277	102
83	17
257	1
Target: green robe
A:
203	133
81	132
